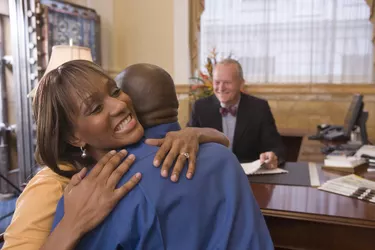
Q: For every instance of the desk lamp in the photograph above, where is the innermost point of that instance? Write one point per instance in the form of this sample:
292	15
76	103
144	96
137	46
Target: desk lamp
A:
62	54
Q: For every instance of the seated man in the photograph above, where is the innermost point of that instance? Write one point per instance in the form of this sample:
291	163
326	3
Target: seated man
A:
214	210
246	120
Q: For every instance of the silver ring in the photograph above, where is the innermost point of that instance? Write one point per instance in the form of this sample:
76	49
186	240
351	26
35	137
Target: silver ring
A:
186	155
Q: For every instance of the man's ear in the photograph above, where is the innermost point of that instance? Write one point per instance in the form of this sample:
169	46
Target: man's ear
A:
242	85
76	141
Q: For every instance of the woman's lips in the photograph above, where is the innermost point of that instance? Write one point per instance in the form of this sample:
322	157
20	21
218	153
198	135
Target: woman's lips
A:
126	125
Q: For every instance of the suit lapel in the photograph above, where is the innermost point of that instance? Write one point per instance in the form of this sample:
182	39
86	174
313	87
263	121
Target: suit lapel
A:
241	121
216	119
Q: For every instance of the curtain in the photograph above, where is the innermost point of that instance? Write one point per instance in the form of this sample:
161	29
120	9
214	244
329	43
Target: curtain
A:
291	41
371	6
196	8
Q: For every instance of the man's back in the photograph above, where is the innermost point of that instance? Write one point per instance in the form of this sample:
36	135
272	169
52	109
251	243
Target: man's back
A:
214	210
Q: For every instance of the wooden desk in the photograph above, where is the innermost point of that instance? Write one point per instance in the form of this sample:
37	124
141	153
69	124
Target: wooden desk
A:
307	218
292	139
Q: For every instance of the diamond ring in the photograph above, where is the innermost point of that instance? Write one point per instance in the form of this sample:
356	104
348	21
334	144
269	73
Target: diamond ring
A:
186	155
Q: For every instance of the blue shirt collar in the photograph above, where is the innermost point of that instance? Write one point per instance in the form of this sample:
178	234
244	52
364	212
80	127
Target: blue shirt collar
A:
160	131
156	132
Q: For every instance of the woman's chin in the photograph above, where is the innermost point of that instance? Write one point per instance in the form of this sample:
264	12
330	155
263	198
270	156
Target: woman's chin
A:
132	136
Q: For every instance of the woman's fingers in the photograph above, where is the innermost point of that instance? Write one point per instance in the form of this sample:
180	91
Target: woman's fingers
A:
112	164
170	158
75	180
154	142
117	174
129	185
162	152
106	165
100	165
192	163
178	166
81	174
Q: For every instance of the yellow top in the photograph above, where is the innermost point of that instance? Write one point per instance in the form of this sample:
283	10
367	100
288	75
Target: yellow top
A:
35	210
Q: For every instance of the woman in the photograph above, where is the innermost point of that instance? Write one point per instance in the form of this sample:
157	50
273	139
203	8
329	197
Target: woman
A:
80	116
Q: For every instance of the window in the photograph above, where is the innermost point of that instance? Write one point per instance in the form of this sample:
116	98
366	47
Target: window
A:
292	41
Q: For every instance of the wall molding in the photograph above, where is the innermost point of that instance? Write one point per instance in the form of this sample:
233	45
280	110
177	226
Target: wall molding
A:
303	89
113	70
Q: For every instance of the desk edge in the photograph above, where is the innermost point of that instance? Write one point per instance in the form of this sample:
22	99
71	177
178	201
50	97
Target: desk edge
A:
319	218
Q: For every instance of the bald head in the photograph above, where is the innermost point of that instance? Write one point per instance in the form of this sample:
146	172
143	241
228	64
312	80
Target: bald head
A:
153	93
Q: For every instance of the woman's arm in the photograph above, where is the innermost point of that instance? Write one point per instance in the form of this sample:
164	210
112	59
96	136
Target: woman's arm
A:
211	135
181	146
89	200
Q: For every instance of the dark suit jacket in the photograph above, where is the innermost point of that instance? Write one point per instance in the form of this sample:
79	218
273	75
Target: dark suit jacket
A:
255	131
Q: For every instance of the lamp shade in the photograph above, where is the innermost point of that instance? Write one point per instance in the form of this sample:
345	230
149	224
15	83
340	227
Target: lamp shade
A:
62	54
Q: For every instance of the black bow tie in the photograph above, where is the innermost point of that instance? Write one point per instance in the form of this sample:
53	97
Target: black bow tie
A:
231	110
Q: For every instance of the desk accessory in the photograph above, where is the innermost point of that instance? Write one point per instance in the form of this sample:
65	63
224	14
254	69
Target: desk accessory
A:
346	164
299	174
352	186
346	161
256	168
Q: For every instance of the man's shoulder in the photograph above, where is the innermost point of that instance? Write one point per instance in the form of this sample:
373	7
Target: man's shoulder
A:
213	146
253	100
214	152
141	150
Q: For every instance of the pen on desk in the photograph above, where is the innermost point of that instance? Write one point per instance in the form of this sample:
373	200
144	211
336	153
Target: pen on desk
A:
359	193
349	186
342	186
337	191
368	194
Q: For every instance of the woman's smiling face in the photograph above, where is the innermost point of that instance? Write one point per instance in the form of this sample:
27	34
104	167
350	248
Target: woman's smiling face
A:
104	118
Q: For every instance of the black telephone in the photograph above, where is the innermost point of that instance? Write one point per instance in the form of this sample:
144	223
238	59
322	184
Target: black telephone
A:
329	132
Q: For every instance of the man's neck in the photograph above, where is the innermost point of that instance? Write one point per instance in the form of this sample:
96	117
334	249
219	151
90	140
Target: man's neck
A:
233	102
97	154
159	131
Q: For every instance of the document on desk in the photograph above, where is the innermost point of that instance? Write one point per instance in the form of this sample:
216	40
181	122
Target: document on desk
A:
255	168
353	186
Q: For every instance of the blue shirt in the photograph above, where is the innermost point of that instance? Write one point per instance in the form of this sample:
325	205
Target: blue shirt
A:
214	210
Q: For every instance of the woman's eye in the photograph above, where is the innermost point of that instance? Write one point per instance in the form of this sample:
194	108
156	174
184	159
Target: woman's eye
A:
96	109
116	92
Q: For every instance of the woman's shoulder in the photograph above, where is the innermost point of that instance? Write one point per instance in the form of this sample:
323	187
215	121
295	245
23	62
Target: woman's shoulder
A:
45	188
46	176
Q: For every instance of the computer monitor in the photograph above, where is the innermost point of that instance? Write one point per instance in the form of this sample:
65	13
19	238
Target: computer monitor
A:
352	117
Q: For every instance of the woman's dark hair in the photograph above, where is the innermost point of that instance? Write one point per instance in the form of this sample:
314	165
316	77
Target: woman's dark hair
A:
55	109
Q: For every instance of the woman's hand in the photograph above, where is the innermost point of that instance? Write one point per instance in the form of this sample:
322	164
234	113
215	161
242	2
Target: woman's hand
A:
88	203
89	199
183	146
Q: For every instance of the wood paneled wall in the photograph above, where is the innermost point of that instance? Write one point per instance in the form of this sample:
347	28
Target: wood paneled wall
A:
306	106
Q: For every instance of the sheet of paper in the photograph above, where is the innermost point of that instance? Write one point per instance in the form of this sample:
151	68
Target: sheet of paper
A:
255	168
251	167
270	171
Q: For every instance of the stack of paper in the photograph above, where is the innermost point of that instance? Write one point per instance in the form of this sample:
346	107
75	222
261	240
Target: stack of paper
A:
352	186
348	162
344	163
255	168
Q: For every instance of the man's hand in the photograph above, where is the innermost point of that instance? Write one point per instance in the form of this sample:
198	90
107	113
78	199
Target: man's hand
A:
270	159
